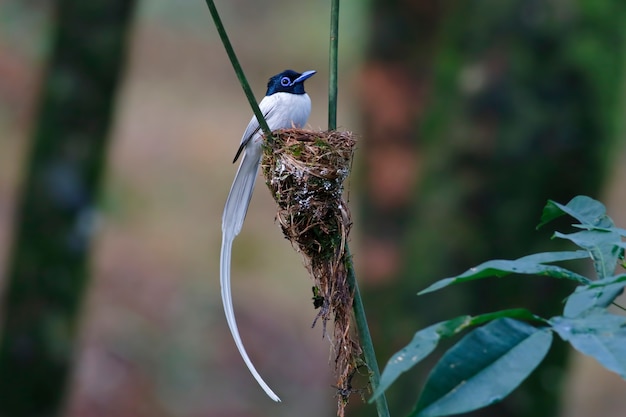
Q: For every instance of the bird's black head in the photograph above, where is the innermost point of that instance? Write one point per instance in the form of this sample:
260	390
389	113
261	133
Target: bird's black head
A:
288	81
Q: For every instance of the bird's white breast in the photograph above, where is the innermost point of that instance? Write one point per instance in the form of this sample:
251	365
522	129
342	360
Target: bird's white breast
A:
285	110
282	111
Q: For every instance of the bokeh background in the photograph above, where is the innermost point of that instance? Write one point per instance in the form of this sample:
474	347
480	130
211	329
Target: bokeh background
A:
470	117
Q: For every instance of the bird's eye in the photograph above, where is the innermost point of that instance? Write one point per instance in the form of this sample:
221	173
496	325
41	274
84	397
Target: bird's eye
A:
285	81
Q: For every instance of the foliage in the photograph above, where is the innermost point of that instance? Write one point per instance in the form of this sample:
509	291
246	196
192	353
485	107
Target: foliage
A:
492	360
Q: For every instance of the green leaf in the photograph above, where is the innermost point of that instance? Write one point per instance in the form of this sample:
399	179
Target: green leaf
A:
598	334
514	313
529	265
589	297
619	231
426	340
584	209
599	293
422	344
551	257
483	368
608	281
603	247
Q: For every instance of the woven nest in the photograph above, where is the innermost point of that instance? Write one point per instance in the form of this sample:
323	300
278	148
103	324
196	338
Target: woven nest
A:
305	171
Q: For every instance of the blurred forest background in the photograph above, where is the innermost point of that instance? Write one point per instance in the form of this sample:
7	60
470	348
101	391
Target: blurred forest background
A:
119	120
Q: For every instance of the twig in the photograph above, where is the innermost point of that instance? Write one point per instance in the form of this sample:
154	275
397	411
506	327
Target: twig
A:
366	339
238	70
359	312
333	58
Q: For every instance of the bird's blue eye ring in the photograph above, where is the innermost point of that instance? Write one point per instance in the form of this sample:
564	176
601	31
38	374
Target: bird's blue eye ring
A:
285	81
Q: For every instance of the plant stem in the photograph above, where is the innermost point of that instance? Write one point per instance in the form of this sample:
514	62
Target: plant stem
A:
238	70
357	304
366	338
333	58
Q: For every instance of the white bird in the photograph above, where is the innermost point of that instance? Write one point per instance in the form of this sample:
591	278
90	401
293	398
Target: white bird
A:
285	105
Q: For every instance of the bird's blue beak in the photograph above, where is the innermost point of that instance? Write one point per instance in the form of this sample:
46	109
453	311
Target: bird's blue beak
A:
304	76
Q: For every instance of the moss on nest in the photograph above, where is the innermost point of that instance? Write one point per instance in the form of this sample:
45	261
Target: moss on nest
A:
304	171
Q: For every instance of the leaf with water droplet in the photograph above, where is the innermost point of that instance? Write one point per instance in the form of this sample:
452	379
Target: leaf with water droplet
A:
423	343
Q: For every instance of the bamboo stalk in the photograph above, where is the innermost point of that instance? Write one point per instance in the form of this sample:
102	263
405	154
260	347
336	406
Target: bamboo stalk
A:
357	305
333	59
366	339
238	70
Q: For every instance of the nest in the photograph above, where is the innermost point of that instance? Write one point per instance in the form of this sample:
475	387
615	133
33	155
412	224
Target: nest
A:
305	171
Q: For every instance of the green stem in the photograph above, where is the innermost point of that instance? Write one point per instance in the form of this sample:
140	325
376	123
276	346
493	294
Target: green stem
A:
238	70
333	58
357	305
366	338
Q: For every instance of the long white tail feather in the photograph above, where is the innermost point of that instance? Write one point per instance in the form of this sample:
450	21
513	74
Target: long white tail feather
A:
227	244
232	221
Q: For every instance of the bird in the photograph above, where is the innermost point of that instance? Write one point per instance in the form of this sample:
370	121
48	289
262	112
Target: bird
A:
285	105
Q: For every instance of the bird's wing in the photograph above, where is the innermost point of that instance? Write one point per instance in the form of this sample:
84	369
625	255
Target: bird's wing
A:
254	127
232	221
240	193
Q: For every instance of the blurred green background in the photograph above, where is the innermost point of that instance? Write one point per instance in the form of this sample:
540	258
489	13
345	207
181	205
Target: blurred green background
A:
470	117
